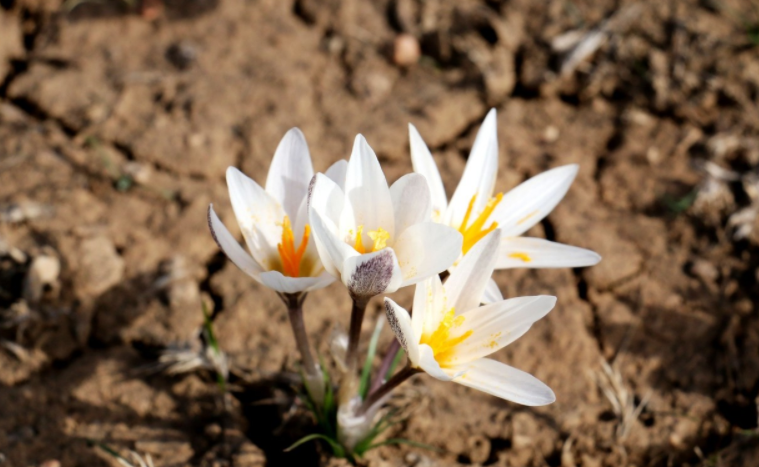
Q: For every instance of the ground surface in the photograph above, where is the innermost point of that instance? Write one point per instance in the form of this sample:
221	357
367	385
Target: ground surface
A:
116	126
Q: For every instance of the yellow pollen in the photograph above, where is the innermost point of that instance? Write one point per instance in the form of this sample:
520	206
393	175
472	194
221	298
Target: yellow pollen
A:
291	258
527	217
440	340
379	238
474	232
523	256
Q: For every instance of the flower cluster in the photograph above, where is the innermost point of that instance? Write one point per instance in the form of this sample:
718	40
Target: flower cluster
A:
304	231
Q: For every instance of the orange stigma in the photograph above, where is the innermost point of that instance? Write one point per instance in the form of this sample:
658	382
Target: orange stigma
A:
473	233
291	257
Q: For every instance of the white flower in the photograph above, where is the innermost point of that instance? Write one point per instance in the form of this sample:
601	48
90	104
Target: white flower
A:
374	238
449	333
475	211
274	221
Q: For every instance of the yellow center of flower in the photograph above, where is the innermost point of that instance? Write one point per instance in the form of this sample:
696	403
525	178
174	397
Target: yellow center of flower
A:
440	340
291	258
379	239
474	232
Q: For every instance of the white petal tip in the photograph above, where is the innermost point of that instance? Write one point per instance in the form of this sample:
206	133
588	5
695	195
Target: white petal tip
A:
545	398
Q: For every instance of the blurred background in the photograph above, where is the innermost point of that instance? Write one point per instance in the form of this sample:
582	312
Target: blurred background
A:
118	119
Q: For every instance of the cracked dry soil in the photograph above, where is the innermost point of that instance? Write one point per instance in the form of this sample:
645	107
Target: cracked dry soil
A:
115	132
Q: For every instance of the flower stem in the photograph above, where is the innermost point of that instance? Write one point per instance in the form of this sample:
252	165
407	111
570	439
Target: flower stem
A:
357	319
294	304
384	367
378	394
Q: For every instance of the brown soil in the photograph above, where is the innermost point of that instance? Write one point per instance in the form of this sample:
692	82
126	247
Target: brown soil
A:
116	126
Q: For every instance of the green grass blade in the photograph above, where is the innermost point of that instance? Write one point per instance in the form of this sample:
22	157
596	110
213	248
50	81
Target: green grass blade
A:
336	448
366	373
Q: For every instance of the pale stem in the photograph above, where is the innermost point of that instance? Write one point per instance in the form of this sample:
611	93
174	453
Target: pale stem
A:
294	304
380	393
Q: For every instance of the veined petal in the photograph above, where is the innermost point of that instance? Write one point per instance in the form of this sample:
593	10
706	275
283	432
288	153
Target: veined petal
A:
429	306
479	174
411	201
497	325
468	280
506	382
529	252
424	164
336	172
332	251
326	197
430	366
425	249
400	323
492	293
367	192
531	201
230	247
290	172
258	213
371	274
283	284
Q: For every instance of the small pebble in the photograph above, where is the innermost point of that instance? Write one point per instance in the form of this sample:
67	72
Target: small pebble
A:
181	54
406	50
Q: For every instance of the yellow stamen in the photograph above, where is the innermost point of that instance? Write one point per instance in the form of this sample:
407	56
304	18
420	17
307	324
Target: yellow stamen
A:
291	258
440	340
475	232
523	256
379	238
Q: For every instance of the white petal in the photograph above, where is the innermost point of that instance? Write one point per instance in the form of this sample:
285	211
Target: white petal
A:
430	366
332	250
372	274
336	172
497	325
528	252
411	201
290	172
467	282
258	213
430	306
326	197
425	249
281	283
492	293
506	382
311	254
367	192
400	323
531	201
479	174
424	164
231	248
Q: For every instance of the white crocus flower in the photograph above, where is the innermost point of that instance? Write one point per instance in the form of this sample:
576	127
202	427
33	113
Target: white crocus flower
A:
376	238
449	333
274	221
475	211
